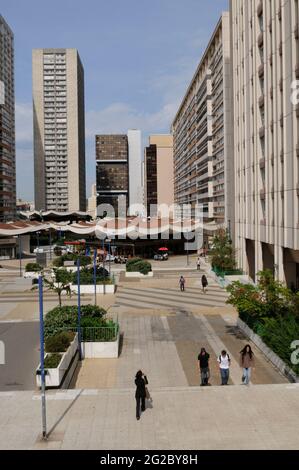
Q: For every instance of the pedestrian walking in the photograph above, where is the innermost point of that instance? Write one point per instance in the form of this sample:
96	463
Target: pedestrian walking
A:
182	283
140	394
247	362
204	282
224	364
203	363
198	264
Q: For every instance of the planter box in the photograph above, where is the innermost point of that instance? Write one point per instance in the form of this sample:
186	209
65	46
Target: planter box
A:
270	355
54	376
89	288
140	275
99	349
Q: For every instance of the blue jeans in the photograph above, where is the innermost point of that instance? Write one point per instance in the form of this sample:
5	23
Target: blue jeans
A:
247	374
224	376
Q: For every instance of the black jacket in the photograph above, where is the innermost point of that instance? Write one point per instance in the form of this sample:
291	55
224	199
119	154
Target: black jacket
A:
140	383
203	360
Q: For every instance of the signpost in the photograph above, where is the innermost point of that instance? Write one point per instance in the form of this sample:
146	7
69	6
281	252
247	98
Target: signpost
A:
42	356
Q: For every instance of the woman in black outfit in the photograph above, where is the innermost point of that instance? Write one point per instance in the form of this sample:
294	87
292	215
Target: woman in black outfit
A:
140	394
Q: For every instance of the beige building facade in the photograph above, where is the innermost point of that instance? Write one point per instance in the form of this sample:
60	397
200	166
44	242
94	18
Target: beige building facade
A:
265	48
159	172
202	132
59	130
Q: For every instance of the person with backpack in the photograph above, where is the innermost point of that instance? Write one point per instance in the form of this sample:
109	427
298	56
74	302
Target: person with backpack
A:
140	394
203	362
204	282
246	362
182	283
224	364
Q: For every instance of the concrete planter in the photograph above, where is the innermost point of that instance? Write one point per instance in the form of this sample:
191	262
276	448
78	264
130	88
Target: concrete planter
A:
54	376
272	356
89	288
139	275
98	350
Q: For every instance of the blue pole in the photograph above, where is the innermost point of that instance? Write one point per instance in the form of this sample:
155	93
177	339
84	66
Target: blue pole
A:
20	254
79	309
42	355
104	287
95	275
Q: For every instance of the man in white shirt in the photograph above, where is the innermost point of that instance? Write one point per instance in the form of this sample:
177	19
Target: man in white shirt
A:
224	364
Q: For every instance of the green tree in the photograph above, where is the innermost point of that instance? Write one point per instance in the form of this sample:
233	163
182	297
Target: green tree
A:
59	283
222	255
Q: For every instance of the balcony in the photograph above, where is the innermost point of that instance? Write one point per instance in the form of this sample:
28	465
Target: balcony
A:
281	84
261	101
272	159
297	150
260	8
263	194
297	110
262	132
271	125
296	31
260	40
280	48
282	155
297	70
261	70
271	92
297	189
262	163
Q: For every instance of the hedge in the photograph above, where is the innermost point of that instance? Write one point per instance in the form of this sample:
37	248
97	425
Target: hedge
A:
33	267
87	276
59	342
84	260
138	265
65	317
52	361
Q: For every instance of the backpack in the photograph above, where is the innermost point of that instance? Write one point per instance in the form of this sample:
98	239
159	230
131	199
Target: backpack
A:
220	358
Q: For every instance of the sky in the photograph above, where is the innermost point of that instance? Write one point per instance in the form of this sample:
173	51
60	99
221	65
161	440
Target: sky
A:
138	56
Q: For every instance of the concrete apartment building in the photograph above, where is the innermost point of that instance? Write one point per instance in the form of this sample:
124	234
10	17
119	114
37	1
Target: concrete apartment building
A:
159	174
7	125
202	133
119	168
59	130
265	47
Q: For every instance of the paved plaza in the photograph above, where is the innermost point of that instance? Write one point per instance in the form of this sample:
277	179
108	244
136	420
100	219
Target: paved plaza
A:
162	331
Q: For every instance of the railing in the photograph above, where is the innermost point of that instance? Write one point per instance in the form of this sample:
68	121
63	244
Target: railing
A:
93	334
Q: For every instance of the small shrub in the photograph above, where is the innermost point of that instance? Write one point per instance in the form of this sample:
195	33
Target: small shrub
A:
59	342
138	265
52	361
33	267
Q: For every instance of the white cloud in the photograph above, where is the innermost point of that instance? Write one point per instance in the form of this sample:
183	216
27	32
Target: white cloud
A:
119	117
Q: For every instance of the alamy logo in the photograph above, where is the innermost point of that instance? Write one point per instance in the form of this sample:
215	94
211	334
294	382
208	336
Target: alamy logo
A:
295	92
2	353
295	354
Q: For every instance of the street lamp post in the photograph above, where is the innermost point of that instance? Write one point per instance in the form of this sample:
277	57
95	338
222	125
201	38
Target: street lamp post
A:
104	287
37	235
79	309
95	275
50	241
42	356
109	254
20	254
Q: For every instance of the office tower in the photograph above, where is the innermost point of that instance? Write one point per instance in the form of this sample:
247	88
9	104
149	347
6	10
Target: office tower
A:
59	133
159	172
202	132
7	125
265	45
135	172
118	158
92	202
112	170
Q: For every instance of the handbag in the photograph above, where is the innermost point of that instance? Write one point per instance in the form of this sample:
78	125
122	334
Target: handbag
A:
147	394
